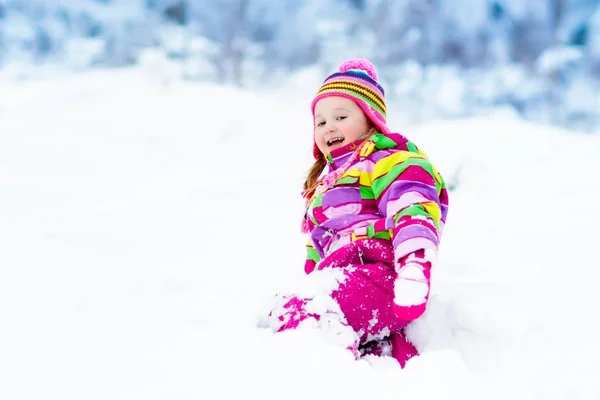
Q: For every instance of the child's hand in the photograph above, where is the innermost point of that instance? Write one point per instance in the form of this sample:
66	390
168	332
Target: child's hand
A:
411	290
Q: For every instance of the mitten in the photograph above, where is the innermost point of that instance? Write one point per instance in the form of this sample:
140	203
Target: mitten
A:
411	287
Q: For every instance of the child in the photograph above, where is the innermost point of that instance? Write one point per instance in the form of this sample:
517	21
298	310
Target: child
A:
374	218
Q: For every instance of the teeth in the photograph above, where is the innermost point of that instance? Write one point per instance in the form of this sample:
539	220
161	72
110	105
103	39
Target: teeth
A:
332	141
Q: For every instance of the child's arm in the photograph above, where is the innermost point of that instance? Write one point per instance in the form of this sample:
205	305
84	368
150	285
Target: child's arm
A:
407	188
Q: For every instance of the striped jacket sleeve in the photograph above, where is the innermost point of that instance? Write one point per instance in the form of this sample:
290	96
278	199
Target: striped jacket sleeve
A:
408	191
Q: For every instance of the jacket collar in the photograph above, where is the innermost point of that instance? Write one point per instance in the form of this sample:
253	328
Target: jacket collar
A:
338	157
379	141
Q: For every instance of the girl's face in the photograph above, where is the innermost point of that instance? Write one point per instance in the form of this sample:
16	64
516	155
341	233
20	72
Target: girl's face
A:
338	122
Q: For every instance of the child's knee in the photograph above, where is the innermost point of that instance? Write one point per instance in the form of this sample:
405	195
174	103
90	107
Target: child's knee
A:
365	298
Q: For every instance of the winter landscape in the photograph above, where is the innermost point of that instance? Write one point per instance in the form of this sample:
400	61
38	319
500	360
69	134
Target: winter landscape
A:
124	275
136	206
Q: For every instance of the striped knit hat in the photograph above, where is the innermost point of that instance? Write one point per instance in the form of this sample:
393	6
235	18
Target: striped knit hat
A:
356	79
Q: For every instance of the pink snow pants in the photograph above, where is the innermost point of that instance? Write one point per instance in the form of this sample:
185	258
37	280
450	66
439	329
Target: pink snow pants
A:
365	298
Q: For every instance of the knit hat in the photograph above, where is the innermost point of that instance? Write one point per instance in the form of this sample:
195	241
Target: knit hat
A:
356	79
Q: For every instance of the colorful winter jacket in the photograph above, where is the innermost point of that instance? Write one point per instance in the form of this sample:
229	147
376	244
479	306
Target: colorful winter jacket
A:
391	198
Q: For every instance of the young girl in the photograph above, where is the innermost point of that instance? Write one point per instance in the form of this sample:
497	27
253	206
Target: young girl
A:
375	211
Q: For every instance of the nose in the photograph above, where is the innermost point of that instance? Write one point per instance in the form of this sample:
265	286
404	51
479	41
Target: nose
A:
330	128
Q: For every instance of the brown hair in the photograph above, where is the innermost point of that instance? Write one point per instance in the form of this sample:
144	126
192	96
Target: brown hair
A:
315	172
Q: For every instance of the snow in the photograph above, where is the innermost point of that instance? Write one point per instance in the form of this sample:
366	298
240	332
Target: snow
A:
145	225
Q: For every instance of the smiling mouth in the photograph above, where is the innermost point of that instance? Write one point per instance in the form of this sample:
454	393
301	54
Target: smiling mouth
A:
335	141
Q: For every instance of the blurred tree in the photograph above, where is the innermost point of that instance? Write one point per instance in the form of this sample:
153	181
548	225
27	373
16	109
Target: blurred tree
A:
580	36
359	5
88	25
497	11
557	14
43	45
254	35
177	12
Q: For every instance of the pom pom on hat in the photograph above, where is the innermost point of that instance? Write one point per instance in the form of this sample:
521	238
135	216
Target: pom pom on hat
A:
356	79
361	64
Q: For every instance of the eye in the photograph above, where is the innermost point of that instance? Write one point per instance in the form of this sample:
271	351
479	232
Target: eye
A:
341	118
321	123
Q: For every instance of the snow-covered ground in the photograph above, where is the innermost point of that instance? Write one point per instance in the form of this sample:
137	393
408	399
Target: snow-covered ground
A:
144	227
